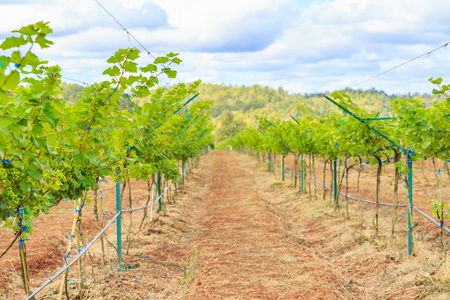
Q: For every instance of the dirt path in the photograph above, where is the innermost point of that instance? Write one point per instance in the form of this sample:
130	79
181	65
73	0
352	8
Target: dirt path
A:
256	237
244	250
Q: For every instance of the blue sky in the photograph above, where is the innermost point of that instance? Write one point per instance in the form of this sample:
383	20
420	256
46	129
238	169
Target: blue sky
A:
302	46
306	3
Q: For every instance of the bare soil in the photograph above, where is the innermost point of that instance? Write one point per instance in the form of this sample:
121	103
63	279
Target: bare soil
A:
237	232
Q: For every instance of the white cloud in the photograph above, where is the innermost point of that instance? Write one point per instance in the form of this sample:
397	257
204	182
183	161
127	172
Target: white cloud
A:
74	16
323	46
223	26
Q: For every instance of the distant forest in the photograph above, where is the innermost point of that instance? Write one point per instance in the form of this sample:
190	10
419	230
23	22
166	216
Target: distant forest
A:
71	92
240	104
262	100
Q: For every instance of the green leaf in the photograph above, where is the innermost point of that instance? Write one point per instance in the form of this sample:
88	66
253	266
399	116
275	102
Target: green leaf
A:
8	223
149	68
25	186
4	129
435	81
13	42
161	60
18	164
43	42
37	129
28	222
4	99
36	142
171	73
27	30
49	117
143	91
11	82
130	66
133	54
176	60
16	57
50	149
112	71
398	164
115	59
4	61
43	26
36	174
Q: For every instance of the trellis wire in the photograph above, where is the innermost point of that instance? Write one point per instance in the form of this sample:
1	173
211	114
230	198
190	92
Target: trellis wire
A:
290	171
404	63
385	204
372	202
91	243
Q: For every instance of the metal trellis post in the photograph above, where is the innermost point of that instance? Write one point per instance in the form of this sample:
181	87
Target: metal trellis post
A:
270	162
409	163
302	172
182	172
159	191
335	182
410	196
119	223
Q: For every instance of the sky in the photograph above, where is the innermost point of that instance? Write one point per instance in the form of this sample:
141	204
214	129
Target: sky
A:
303	46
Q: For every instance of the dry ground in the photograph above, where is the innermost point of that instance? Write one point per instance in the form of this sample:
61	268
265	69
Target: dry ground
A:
237	232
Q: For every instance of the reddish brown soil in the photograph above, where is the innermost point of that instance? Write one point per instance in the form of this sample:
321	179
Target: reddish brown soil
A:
260	239
48	243
425	188
255	238
244	253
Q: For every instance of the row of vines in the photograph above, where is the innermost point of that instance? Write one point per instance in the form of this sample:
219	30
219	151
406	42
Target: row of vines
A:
356	137
51	151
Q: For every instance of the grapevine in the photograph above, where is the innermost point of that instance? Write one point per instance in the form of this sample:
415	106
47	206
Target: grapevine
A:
52	151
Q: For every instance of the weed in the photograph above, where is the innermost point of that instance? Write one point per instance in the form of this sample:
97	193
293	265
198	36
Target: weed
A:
361	238
186	279
432	288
